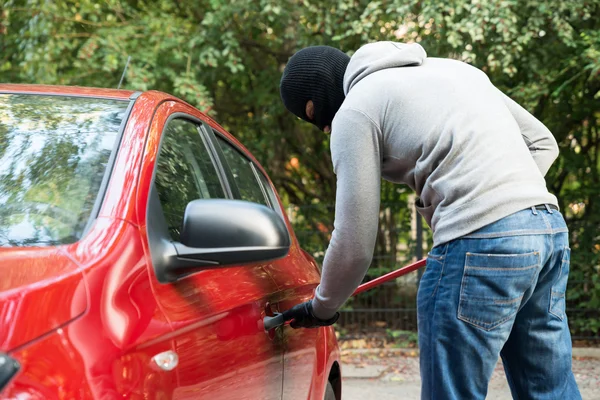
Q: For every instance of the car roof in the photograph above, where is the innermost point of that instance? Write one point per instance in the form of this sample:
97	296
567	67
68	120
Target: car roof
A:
66	90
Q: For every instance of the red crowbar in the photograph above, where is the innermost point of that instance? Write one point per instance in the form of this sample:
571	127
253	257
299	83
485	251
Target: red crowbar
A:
279	320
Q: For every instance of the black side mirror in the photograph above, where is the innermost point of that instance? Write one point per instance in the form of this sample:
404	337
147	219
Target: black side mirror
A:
8	369
226	232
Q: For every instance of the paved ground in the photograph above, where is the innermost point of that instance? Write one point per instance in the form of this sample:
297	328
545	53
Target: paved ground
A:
383	375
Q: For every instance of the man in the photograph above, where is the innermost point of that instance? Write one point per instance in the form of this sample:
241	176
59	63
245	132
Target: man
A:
496	277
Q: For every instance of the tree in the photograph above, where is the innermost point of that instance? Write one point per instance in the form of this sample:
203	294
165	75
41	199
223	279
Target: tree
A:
226	57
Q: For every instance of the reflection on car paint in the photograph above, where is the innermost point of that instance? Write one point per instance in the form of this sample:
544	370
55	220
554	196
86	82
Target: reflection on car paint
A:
86	319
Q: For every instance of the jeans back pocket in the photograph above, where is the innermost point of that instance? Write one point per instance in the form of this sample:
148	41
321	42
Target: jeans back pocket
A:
493	286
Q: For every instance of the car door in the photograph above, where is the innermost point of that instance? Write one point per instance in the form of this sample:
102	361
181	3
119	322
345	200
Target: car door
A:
296	275
215	314
304	358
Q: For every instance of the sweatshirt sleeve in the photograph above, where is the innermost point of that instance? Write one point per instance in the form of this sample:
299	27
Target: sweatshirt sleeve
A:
356	155
539	139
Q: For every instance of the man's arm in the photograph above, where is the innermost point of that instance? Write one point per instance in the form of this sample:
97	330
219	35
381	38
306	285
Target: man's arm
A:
356	156
539	139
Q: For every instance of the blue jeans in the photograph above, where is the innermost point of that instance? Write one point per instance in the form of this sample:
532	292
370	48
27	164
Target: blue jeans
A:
499	291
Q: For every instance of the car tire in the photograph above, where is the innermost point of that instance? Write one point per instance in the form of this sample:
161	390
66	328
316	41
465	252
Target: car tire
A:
329	392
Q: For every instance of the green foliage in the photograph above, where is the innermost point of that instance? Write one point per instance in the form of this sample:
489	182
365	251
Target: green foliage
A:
403	339
226	57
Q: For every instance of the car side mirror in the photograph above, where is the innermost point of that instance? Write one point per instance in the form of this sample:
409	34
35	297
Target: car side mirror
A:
218	232
8	369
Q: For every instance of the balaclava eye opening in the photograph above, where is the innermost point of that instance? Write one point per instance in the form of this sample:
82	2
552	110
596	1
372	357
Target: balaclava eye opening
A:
315	73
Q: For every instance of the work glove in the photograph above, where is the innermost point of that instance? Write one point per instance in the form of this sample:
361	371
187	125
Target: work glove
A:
302	316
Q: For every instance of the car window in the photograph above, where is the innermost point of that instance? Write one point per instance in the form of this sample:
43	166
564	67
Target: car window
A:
54	155
243	173
185	172
268	189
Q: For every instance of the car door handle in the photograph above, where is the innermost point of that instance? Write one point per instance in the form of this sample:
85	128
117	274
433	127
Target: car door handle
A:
272	320
270	309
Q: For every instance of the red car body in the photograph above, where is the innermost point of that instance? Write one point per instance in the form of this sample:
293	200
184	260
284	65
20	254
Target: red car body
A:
85	320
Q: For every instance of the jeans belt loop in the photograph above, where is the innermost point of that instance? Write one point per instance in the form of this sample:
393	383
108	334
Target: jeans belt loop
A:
549	209
534	210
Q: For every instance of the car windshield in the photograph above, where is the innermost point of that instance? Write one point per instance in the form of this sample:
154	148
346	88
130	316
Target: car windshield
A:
54	152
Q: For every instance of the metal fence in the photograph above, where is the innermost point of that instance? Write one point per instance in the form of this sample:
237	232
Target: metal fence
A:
392	307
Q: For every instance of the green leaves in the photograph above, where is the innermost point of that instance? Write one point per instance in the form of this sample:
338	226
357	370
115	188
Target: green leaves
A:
227	57
188	87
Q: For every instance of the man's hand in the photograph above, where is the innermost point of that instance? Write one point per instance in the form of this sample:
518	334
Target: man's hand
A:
302	316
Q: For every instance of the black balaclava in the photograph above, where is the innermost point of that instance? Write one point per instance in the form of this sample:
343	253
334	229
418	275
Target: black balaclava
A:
315	73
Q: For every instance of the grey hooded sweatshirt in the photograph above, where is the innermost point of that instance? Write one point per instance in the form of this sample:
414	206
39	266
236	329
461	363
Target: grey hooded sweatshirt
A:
472	155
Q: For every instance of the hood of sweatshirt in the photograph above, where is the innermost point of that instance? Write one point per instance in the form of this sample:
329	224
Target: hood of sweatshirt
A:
374	57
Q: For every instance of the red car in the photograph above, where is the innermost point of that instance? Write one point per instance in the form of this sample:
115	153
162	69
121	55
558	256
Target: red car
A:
141	246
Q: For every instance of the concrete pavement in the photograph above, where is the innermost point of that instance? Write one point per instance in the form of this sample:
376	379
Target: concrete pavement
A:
393	374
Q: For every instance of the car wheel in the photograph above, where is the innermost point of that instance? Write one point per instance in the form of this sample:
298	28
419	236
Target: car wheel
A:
329	392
